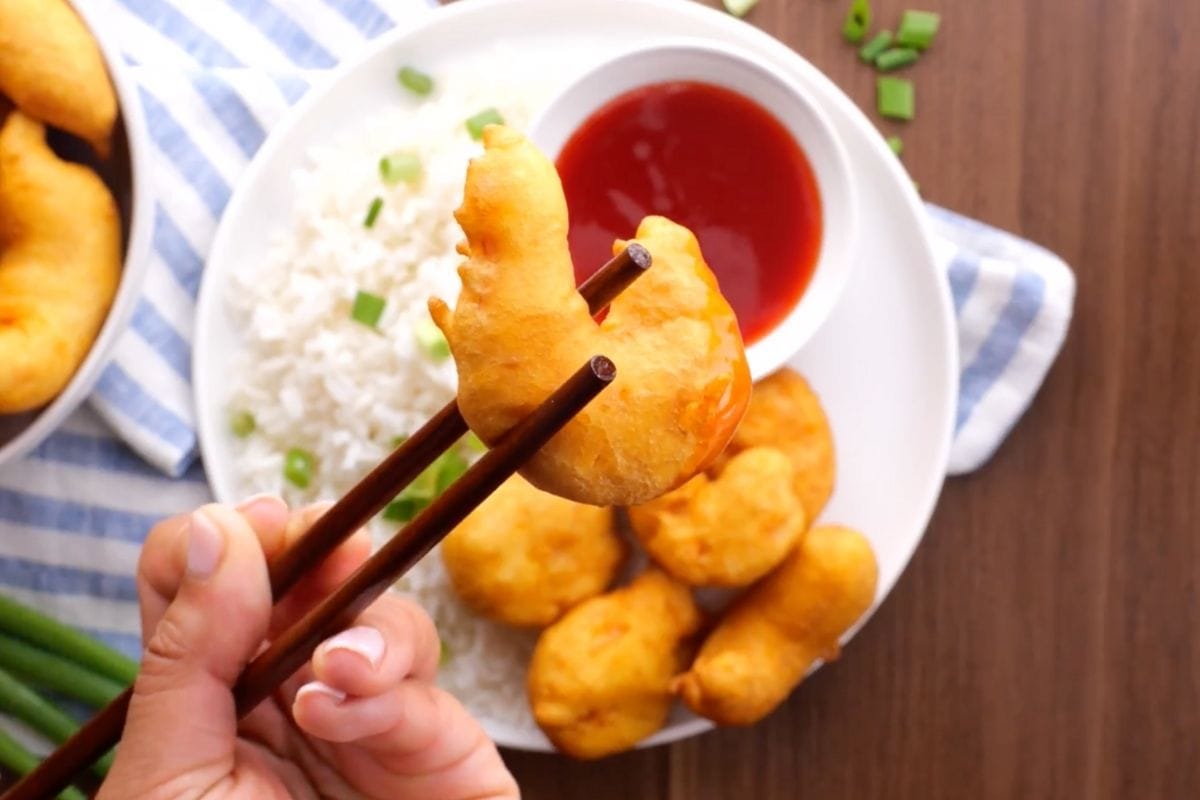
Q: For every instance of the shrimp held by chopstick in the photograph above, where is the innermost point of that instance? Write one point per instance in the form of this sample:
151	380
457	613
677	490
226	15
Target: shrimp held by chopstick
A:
520	326
60	261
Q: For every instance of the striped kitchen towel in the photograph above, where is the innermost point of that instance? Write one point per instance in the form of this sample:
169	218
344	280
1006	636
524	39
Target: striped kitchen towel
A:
214	77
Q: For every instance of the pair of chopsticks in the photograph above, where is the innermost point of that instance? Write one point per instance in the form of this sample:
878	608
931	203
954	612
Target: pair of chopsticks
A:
288	652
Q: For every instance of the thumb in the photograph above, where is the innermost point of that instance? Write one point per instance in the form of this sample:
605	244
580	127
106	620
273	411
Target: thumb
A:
182	727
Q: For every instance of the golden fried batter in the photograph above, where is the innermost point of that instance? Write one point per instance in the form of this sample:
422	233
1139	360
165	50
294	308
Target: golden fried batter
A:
60	261
525	556
785	413
520	329
729	531
51	67
599	677
767	641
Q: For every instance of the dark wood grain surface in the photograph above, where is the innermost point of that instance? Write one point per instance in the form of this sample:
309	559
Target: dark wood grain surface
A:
1045	641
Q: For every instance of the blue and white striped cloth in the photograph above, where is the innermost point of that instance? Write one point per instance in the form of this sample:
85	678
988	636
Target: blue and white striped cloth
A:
214	78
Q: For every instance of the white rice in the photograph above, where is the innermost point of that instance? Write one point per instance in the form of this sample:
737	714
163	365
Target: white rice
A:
315	379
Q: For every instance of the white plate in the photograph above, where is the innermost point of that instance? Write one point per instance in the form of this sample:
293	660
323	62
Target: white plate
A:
885	363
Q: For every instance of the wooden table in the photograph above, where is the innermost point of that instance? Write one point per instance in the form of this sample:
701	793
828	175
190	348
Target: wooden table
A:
1045	640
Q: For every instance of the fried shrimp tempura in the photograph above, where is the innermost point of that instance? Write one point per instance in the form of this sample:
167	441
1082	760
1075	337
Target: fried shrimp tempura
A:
767	641
520	328
786	414
51	67
729	531
599	678
525	556
60	261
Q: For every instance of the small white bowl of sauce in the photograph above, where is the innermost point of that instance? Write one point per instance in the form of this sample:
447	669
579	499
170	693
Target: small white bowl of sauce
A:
702	134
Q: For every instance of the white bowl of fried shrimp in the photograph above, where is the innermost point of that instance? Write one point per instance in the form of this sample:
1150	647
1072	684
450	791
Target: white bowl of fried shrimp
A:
74	213
705	62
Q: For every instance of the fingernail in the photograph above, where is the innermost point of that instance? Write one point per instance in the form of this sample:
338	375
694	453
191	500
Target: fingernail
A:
204	547
363	640
316	687
264	511
260	502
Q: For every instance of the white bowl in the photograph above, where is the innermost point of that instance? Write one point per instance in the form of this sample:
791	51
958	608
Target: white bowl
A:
796	110
128	177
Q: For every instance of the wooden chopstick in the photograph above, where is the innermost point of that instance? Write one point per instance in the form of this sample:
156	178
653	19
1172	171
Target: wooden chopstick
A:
288	652
365	499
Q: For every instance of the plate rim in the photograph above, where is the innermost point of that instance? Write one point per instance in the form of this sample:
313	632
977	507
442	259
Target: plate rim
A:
756	41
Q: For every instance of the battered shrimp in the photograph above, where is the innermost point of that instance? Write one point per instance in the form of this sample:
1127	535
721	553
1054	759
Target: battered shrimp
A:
785	413
520	328
52	69
764	645
599	678
725	532
525	556
60	261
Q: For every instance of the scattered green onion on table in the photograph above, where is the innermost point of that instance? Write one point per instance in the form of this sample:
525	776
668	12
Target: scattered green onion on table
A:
918	28
871	50
858	21
896	58
896	98
740	8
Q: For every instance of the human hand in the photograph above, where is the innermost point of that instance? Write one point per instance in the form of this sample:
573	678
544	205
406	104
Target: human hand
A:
361	720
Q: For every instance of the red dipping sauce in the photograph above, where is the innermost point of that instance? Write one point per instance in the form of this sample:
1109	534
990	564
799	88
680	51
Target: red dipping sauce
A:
713	160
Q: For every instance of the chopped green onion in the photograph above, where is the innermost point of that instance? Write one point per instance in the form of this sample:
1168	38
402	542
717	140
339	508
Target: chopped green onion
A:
858	21
474	443
917	29
373	212
242	424
53	636
740	8
400	167
432	340
897	145
403	509
14	756
451	469
881	42
476	124
49	671
415	81
298	467
426	487
896	97
444	654
896	58
368	308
